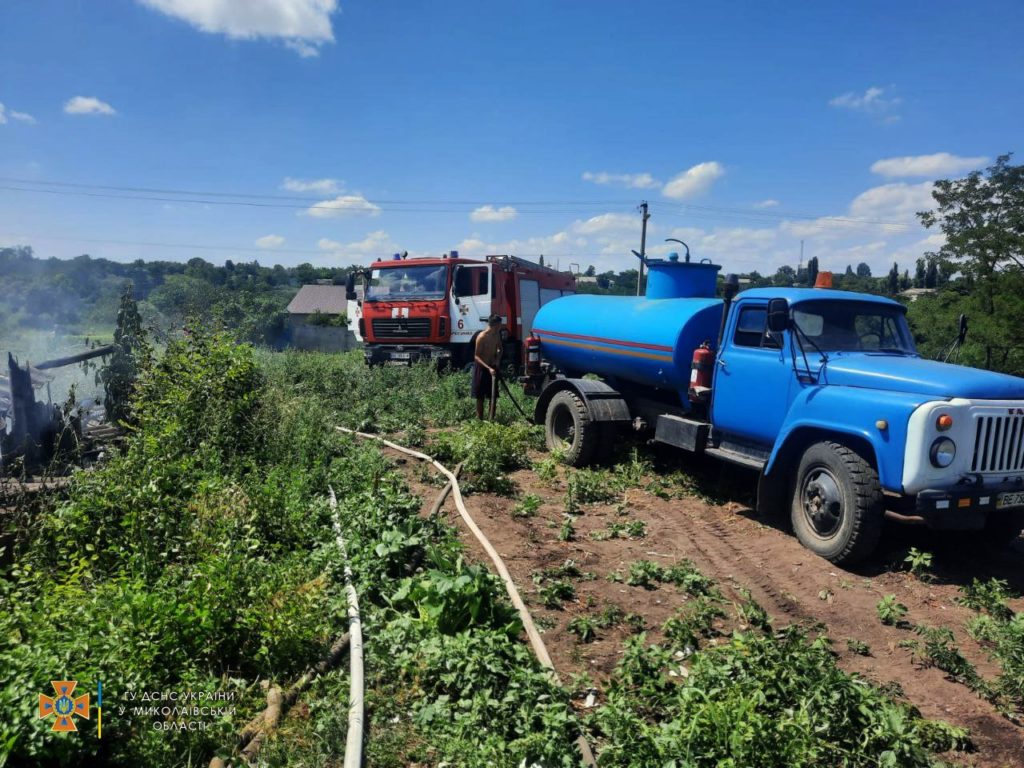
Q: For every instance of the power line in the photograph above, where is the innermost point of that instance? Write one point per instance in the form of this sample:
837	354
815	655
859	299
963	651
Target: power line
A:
201	197
775	215
183	246
309	200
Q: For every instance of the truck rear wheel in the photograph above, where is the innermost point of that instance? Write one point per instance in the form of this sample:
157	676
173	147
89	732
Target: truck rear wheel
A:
837	508
568	428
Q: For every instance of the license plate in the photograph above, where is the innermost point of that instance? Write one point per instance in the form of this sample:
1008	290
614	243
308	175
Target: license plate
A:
1010	499
400	355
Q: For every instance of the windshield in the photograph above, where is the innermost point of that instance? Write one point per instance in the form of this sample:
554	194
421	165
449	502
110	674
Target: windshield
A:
406	281
851	326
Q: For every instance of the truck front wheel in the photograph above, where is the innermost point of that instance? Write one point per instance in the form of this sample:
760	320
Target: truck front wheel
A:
837	509
568	428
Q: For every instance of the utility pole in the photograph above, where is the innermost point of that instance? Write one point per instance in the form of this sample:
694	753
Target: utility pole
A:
643	247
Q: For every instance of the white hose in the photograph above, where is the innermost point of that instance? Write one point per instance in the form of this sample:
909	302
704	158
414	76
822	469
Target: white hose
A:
354	743
524	614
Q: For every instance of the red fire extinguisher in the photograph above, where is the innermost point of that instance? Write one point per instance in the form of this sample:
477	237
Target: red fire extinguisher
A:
700	373
532	345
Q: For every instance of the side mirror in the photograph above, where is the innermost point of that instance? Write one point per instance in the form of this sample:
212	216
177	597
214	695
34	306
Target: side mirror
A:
350	287
778	315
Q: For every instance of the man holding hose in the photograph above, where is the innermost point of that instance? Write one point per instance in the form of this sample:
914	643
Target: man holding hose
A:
486	361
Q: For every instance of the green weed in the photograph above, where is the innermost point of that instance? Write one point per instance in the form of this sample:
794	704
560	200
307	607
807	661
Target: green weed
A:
527	506
890	611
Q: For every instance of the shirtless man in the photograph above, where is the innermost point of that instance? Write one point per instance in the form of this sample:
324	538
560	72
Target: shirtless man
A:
486	360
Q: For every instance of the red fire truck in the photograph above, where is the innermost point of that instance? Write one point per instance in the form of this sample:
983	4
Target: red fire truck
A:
433	308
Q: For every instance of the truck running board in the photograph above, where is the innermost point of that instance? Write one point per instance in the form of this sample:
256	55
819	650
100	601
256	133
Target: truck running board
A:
735	457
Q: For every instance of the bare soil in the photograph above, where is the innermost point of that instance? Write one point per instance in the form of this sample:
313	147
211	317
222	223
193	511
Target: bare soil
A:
740	549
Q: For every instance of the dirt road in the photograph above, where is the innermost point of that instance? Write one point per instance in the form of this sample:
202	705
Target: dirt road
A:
742	550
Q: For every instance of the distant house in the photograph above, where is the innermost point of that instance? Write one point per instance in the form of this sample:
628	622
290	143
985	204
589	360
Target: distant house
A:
913	294
320	319
317	299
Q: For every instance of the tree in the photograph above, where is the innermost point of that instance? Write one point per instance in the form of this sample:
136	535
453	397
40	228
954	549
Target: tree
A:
863	270
541	260
812	271
894	280
591	271
785	276
931	275
131	354
849	271
982	217
919	273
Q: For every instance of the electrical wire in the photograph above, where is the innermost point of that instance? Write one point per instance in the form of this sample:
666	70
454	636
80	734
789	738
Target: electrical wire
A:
203	197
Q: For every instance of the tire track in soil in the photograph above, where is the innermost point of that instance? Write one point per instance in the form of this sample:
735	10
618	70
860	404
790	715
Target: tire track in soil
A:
786	595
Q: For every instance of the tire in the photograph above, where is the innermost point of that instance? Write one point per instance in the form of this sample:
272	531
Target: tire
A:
837	509
568	428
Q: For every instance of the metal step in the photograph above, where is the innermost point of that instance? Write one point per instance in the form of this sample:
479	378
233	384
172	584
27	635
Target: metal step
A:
734	457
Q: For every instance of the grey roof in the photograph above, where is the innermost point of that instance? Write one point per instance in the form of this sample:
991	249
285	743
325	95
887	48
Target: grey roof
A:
329	299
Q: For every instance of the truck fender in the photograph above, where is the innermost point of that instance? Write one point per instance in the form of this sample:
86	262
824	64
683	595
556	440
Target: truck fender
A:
773	485
849	415
603	402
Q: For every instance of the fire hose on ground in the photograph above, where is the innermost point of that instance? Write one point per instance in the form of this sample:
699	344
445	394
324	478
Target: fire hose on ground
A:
536	642
354	741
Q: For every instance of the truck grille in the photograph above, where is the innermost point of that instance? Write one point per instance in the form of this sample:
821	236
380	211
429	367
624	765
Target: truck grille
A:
401	328
998	444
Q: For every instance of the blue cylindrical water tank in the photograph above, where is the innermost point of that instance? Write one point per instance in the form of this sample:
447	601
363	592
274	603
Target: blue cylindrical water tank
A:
643	340
629	338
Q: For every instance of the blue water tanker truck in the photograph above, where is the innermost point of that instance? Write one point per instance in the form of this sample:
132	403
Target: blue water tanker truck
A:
820	391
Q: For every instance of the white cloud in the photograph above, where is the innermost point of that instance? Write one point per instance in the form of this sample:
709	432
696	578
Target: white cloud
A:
738	241
343	205
872	101
376	245
559	245
88	105
326	186
607	222
628	180
939	164
269	241
304	25
893	202
14	115
825	227
762	204
694	181
490	213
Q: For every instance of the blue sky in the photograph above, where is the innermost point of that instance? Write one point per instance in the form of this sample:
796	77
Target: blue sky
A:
526	127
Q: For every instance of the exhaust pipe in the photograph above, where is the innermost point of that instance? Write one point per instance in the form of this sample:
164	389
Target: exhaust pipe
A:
729	290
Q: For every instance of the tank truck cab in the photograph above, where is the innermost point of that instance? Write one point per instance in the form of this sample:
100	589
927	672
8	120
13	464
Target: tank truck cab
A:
819	391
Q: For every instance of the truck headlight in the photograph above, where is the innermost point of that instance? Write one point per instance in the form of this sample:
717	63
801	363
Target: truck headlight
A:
943	452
